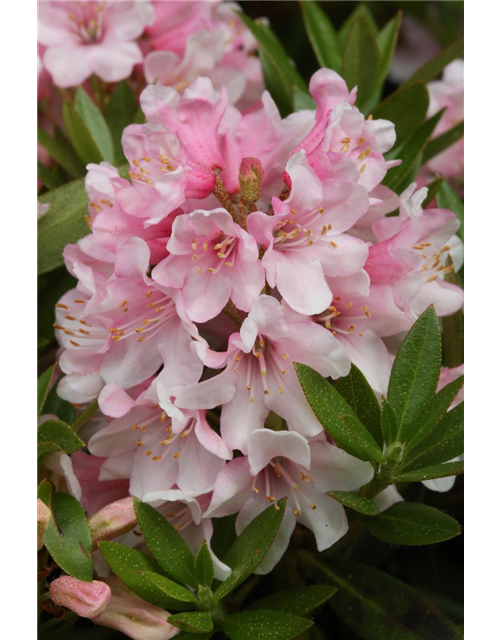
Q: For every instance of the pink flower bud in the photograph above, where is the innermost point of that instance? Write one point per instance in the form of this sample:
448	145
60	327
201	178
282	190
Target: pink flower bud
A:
87	599
251	176
134	617
113	520
44	514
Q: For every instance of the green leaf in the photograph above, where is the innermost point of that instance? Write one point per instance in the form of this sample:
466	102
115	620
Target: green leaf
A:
224	535
129	565
297	601
63	224
413	524
361	10
251	547
45	491
170	588
79	135
195	621
96	124
442	142
264	625
43	387
302	100
166	544
406	108
59	407
279	74
52	177
398	178
361	60
60	150
415	372
322	35
355	502
431	473
119	113
387	39
432	413
195	636
355	389
68	541
377	606
448	199
60	434
337	416
445	442
204	566
85	415
433	189
389	423
434	67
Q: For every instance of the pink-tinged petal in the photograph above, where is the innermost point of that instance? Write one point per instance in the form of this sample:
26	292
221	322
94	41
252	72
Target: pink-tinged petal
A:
231	489
261	226
306	192
198	468
129	363
68	65
181	363
160	65
369	353
344	204
112	60
62	465
132	259
382	134
247	280
334	469
267	318
128	20
114	401
210	439
265	444
340	255
255	505
95	494
327	521
355	285
207	394
328	89
118	468
151	476
387	498
447	298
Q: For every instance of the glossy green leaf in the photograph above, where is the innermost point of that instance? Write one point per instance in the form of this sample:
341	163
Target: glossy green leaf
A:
361	10
224	535
251	546
45	491
68	537
119	113
356	502
85	415
431	414
445	442
302	100
263	625
432	190
129	565
406	108
322	35
166	544
63	224
194	621
337	416
61	434
355	389
448	199
361	60
195	636
43	387
297	601
431	473
60	150
387	39
416	369
79	135
413	524
204	566
388	422
434	67
95	123
377	606
170	588
442	142
279	74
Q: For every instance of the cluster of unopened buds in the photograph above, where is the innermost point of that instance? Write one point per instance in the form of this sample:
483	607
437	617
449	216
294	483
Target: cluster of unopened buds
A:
241	245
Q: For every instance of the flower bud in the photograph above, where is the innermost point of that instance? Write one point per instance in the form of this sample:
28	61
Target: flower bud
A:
86	599
134	617
251	176
113	520
44	514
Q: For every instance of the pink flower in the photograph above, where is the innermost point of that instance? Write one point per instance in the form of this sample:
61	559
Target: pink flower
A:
157	446
283	464
86	599
305	237
448	93
121	329
212	259
133	616
411	256
259	376
91	37
113	520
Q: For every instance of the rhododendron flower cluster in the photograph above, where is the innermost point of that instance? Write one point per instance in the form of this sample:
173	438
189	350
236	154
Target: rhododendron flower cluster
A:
243	243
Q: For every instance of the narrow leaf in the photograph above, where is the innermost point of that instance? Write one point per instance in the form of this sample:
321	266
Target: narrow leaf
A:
166	544
448	199
264	625
413	524
43	387
355	502
119	113
361	10
169	588
361	59
204	566
434	67
442	142
416	369
433	189
337	416
85	415
387	39
322	35
430	473
79	135
60	150
45	491
389	423
406	108
297	601
95	123
194	621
